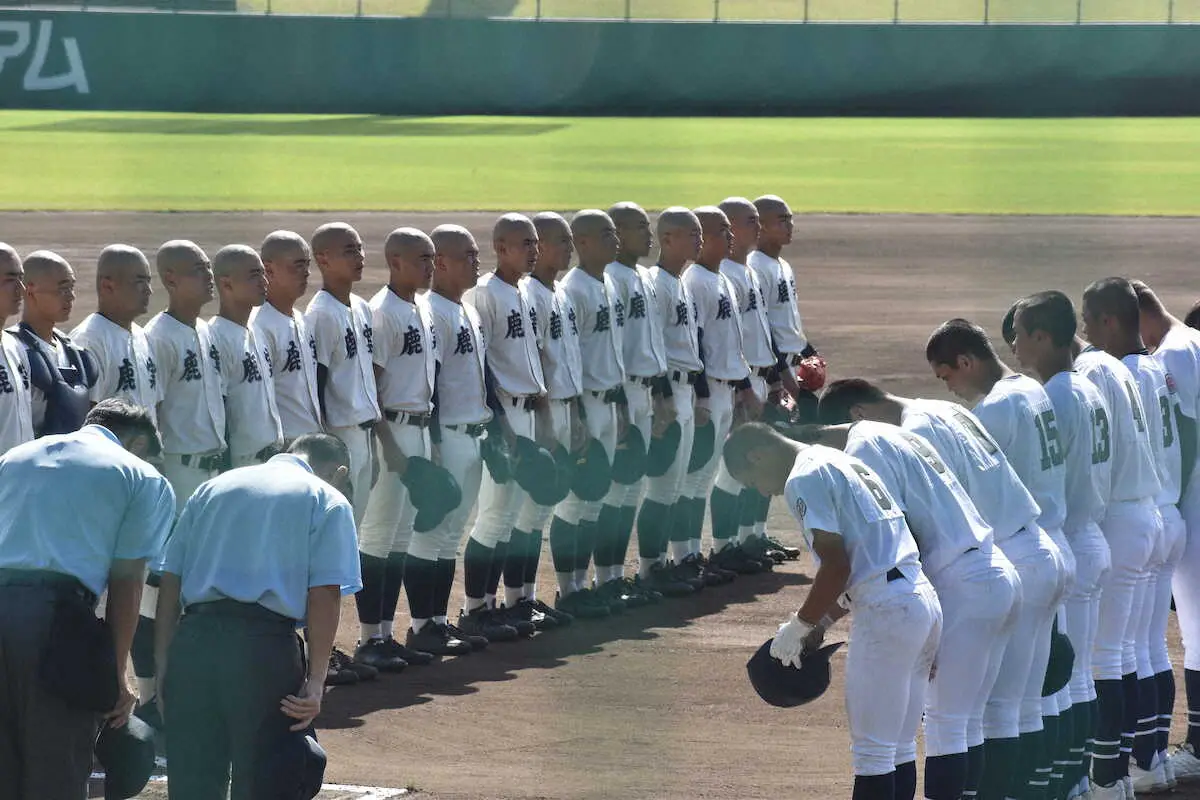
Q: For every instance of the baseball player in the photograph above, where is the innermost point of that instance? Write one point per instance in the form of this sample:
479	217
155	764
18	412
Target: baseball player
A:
281	331
1178	349
1018	414
662	529
16	411
758	348
60	373
866	553
520	387
979	464
405	372
461	414
255	432
778	281
723	384
645	358
976	584
126	365
1043	337
557	333
1134	528
593	295
340	322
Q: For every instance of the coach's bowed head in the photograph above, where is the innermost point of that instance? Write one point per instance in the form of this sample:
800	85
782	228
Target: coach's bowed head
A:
788	687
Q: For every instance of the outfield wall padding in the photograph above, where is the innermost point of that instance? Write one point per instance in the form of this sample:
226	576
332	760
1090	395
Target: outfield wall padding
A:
416	66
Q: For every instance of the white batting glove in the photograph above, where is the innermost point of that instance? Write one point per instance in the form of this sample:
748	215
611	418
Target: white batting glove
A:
788	645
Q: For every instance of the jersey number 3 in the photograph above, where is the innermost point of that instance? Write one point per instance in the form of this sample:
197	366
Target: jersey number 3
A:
1101	437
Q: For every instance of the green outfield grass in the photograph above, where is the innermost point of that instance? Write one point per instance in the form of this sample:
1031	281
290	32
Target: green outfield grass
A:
790	10
107	161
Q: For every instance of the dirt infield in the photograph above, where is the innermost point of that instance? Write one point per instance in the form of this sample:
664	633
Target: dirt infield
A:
655	705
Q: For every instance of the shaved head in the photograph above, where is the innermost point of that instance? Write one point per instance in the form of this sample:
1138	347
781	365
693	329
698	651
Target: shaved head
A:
331	235
737	208
771	204
178	254
710	216
547	222
281	244
447	235
510	224
676	218
8	255
234	257
405	243
45	265
118	260
589	222
626	213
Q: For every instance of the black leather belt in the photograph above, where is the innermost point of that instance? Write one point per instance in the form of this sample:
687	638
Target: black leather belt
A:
608	395
640	381
474	430
419	420
794	359
366	426
894	574
690	378
233	608
209	463
765	372
528	403
60	582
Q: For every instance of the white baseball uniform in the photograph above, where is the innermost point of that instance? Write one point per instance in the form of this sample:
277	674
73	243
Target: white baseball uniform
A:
594	301
292	354
724	369
964	444
976	584
516	367
1083	424
127	368
1132	524
778	282
344	347
250	409
644	352
562	366
896	618
461	411
191	414
16	408
1179	351
406	352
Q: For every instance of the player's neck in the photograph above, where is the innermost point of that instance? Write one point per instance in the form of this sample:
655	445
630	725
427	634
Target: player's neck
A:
119	320
770	249
1056	362
740	255
546	278
627	259
1128	345
283	305
595	270
342	293
990	373
406	293
235	312
444	291
509	275
672	266
1155	328
44	328
710	264
184	314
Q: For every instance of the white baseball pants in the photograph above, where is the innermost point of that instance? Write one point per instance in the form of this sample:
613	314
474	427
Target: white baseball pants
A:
978	593
361	444
387	525
1133	530
1093	562
1152	658
184	480
601	423
719	403
1185	585
1015	704
641	416
667	488
894	632
500	503
533	517
459	455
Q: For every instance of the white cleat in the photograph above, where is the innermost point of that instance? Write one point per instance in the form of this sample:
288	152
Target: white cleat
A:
1148	781
1113	791
1184	764
1128	781
1168	770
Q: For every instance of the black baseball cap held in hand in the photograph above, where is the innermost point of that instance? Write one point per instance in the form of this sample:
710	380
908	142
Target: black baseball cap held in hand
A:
788	687
703	445
536	471
591	476
662	450
433	491
629	462
127	755
291	766
1061	664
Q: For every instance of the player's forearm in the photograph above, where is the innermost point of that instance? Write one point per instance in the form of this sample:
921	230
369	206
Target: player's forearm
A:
828	585
125	581
166	619
321	620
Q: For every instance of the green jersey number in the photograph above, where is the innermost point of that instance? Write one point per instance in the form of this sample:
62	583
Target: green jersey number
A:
1052	451
1101	436
1168	426
868	478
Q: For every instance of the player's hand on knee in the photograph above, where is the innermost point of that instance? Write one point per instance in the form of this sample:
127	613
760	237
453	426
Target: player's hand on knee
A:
305	705
789	643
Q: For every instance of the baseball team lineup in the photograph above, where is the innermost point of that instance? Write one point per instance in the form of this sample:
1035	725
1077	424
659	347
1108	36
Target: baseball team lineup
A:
618	374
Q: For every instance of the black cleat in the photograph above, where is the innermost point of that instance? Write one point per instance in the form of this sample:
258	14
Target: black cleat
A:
664	581
643	588
760	549
561	618
789	553
375	653
482	622
689	571
524	627
714	575
477	642
526	611
342	662
415	657
435	638
733	558
581	603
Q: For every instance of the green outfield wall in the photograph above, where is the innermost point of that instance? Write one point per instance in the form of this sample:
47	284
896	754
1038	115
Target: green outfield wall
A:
244	63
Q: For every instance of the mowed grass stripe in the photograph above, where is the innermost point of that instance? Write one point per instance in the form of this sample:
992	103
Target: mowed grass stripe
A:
161	162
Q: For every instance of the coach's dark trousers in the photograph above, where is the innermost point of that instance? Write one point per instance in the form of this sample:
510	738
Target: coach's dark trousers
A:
229	666
45	745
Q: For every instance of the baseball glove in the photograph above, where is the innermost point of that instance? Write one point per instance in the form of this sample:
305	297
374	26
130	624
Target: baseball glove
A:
810	373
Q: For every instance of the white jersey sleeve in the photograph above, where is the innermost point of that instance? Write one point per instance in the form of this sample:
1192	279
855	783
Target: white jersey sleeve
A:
1018	414
16	406
345	347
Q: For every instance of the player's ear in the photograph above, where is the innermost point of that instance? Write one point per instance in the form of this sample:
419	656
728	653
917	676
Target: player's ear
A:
964	362
856	413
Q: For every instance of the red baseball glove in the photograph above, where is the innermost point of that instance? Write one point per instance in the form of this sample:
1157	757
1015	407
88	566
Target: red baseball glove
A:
810	374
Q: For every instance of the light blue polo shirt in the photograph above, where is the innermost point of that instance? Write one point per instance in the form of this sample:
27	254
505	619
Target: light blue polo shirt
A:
264	534
77	502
